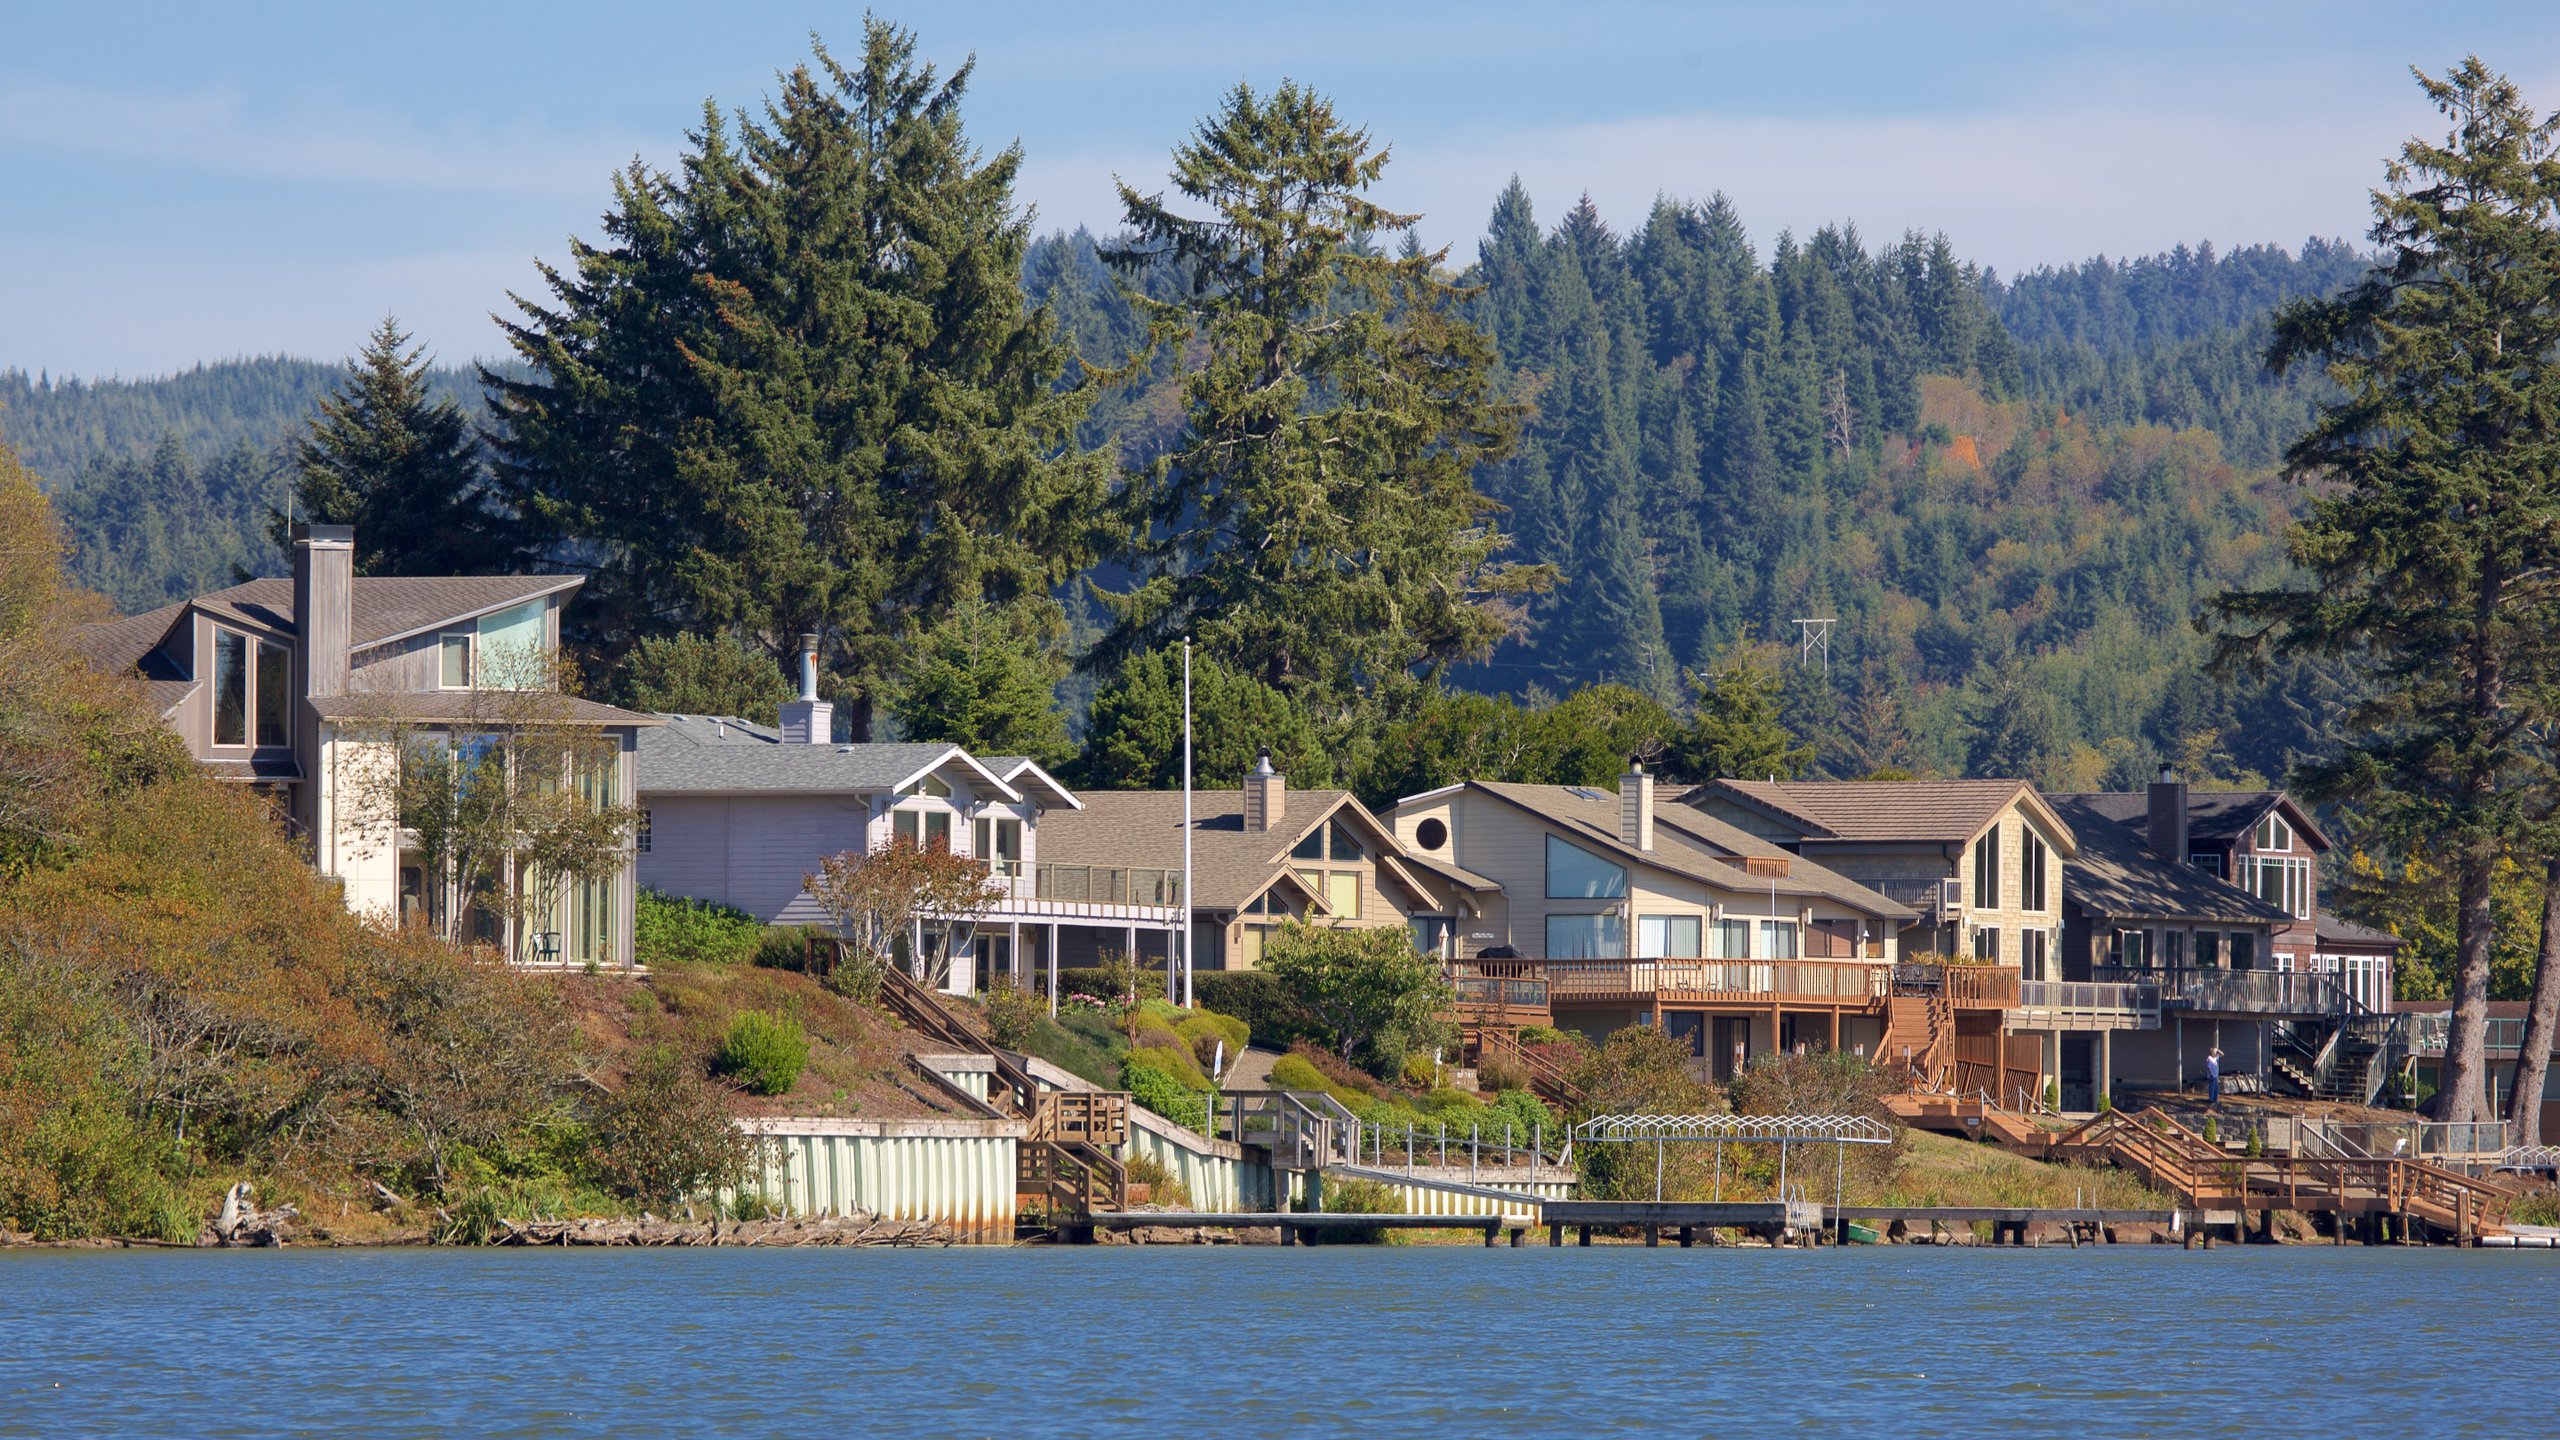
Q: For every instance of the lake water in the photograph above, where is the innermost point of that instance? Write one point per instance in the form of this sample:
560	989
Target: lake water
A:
1187	1342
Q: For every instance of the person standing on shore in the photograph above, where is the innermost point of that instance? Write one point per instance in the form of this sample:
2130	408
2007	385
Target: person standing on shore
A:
2213	1079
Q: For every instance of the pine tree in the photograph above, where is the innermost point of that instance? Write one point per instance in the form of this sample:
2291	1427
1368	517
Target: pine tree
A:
2425	557
702	675
1737	733
1134	736
1317	523
799	389
986	680
402	468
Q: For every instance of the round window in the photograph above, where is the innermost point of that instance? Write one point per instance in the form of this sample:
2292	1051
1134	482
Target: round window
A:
1431	834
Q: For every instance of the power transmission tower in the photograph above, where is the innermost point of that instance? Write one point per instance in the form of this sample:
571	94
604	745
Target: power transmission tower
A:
1813	636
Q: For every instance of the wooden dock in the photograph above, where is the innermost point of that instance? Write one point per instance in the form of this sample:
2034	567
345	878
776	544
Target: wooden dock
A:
1294	1225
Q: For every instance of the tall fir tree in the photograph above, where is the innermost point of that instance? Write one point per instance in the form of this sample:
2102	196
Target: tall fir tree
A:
1317	524
2425	559
401	467
799	389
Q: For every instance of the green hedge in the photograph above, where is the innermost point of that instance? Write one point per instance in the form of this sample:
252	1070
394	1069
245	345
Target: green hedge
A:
671	928
763	1053
1165	1094
1272	1014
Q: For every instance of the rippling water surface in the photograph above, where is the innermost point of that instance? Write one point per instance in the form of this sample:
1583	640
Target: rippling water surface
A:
1181	1342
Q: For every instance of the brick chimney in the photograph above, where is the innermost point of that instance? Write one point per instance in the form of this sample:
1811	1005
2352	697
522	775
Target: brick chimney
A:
808	720
324	576
1266	796
1635	806
2169	817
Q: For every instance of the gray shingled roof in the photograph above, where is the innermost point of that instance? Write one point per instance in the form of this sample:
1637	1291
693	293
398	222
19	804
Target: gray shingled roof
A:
720	755
1229	865
381	608
2337	929
387	607
2211	814
1700	842
1947	812
2116	876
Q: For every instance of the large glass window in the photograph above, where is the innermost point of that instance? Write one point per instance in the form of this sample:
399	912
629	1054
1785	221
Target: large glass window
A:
2282	881
1669	937
511	648
1342	893
275	694
937	829
2035	954
1778	940
1574	873
230	688
2209	949
2274	834
907	825
1732	940
1431	933
1346	846
1311	847
2244	951
2034	868
1586	937
1986	870
1986	942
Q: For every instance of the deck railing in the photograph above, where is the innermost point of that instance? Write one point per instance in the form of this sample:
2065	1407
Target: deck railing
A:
2126	1005
1107	884
1967	987
1569	981
2248	992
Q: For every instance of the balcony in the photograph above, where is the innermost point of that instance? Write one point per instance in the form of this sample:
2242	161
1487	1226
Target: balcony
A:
2086	1005
2234	992
1084	892
1967	987
1934	899
1682	982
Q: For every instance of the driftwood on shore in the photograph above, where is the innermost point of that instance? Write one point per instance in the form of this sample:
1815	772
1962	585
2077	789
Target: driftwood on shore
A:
794	1230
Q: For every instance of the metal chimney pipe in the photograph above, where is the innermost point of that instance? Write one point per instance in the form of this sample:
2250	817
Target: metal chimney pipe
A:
809	665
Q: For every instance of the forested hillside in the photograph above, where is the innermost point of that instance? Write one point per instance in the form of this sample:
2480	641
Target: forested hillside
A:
2008	494
166	485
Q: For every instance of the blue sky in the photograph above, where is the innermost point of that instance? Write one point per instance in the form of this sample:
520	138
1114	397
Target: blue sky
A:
189	182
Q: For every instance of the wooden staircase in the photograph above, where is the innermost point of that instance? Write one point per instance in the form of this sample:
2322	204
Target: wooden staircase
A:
2204	1175
1068	1161
1547	1078
1919	1040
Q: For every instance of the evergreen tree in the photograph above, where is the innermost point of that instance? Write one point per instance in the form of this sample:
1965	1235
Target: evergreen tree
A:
799	389
2424	558
1133	740
985	679
1737	732
702	675
2017	728
398	464
1317	521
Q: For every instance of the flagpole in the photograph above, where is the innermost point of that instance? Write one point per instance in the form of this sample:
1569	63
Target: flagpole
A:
1186	822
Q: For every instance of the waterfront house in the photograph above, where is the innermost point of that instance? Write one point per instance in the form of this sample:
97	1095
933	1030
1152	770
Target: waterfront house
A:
2161	960
1979	862
1605	910
1262	855
298	687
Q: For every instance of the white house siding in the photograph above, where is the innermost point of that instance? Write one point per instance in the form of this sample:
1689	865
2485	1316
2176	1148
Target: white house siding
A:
357	841
753	852
956	1173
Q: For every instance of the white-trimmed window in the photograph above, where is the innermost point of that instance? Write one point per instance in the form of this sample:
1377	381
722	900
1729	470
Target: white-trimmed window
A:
640	833
2273	833
2034	871
1986	870
1586	937
1669	937
2284	881
1732	939
1778	940
1986	942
